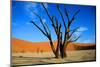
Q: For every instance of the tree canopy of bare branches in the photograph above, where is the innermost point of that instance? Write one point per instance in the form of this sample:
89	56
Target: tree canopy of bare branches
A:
62	42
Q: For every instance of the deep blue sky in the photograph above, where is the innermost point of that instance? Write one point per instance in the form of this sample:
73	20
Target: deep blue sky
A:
21	17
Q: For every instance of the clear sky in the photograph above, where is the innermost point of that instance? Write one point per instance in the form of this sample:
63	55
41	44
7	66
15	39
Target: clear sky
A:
23	29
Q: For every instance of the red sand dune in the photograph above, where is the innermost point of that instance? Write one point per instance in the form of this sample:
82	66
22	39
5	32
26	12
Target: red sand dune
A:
26	46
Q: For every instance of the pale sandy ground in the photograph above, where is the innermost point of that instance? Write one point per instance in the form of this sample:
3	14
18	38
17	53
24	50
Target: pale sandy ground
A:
48	58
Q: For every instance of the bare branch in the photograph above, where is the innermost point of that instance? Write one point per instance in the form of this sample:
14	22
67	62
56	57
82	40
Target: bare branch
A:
73	31
76	39
41	22
51	18
47	12
53	24
73	18
39	28
59	27
62	16
61	36
48	29
66	13
48	36
76	12
56	23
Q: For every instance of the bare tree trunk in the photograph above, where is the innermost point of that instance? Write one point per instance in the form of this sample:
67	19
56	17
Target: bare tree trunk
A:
56	52
63	52
52	46
58	47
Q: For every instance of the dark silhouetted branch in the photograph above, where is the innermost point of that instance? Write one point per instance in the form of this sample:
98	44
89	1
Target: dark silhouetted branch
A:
73	18
53	24
76	39
39	28
41	22
47	12
66	13
48	29
62	16
48	36
51	18
73	31
76	12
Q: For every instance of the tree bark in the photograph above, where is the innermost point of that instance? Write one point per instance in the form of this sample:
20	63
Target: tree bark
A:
52	46
63	51
58	47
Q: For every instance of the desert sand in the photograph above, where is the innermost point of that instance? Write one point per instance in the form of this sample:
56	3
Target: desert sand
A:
31	53
19	45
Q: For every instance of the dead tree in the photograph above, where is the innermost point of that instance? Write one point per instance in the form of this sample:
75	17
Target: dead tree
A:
68	33
62	39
